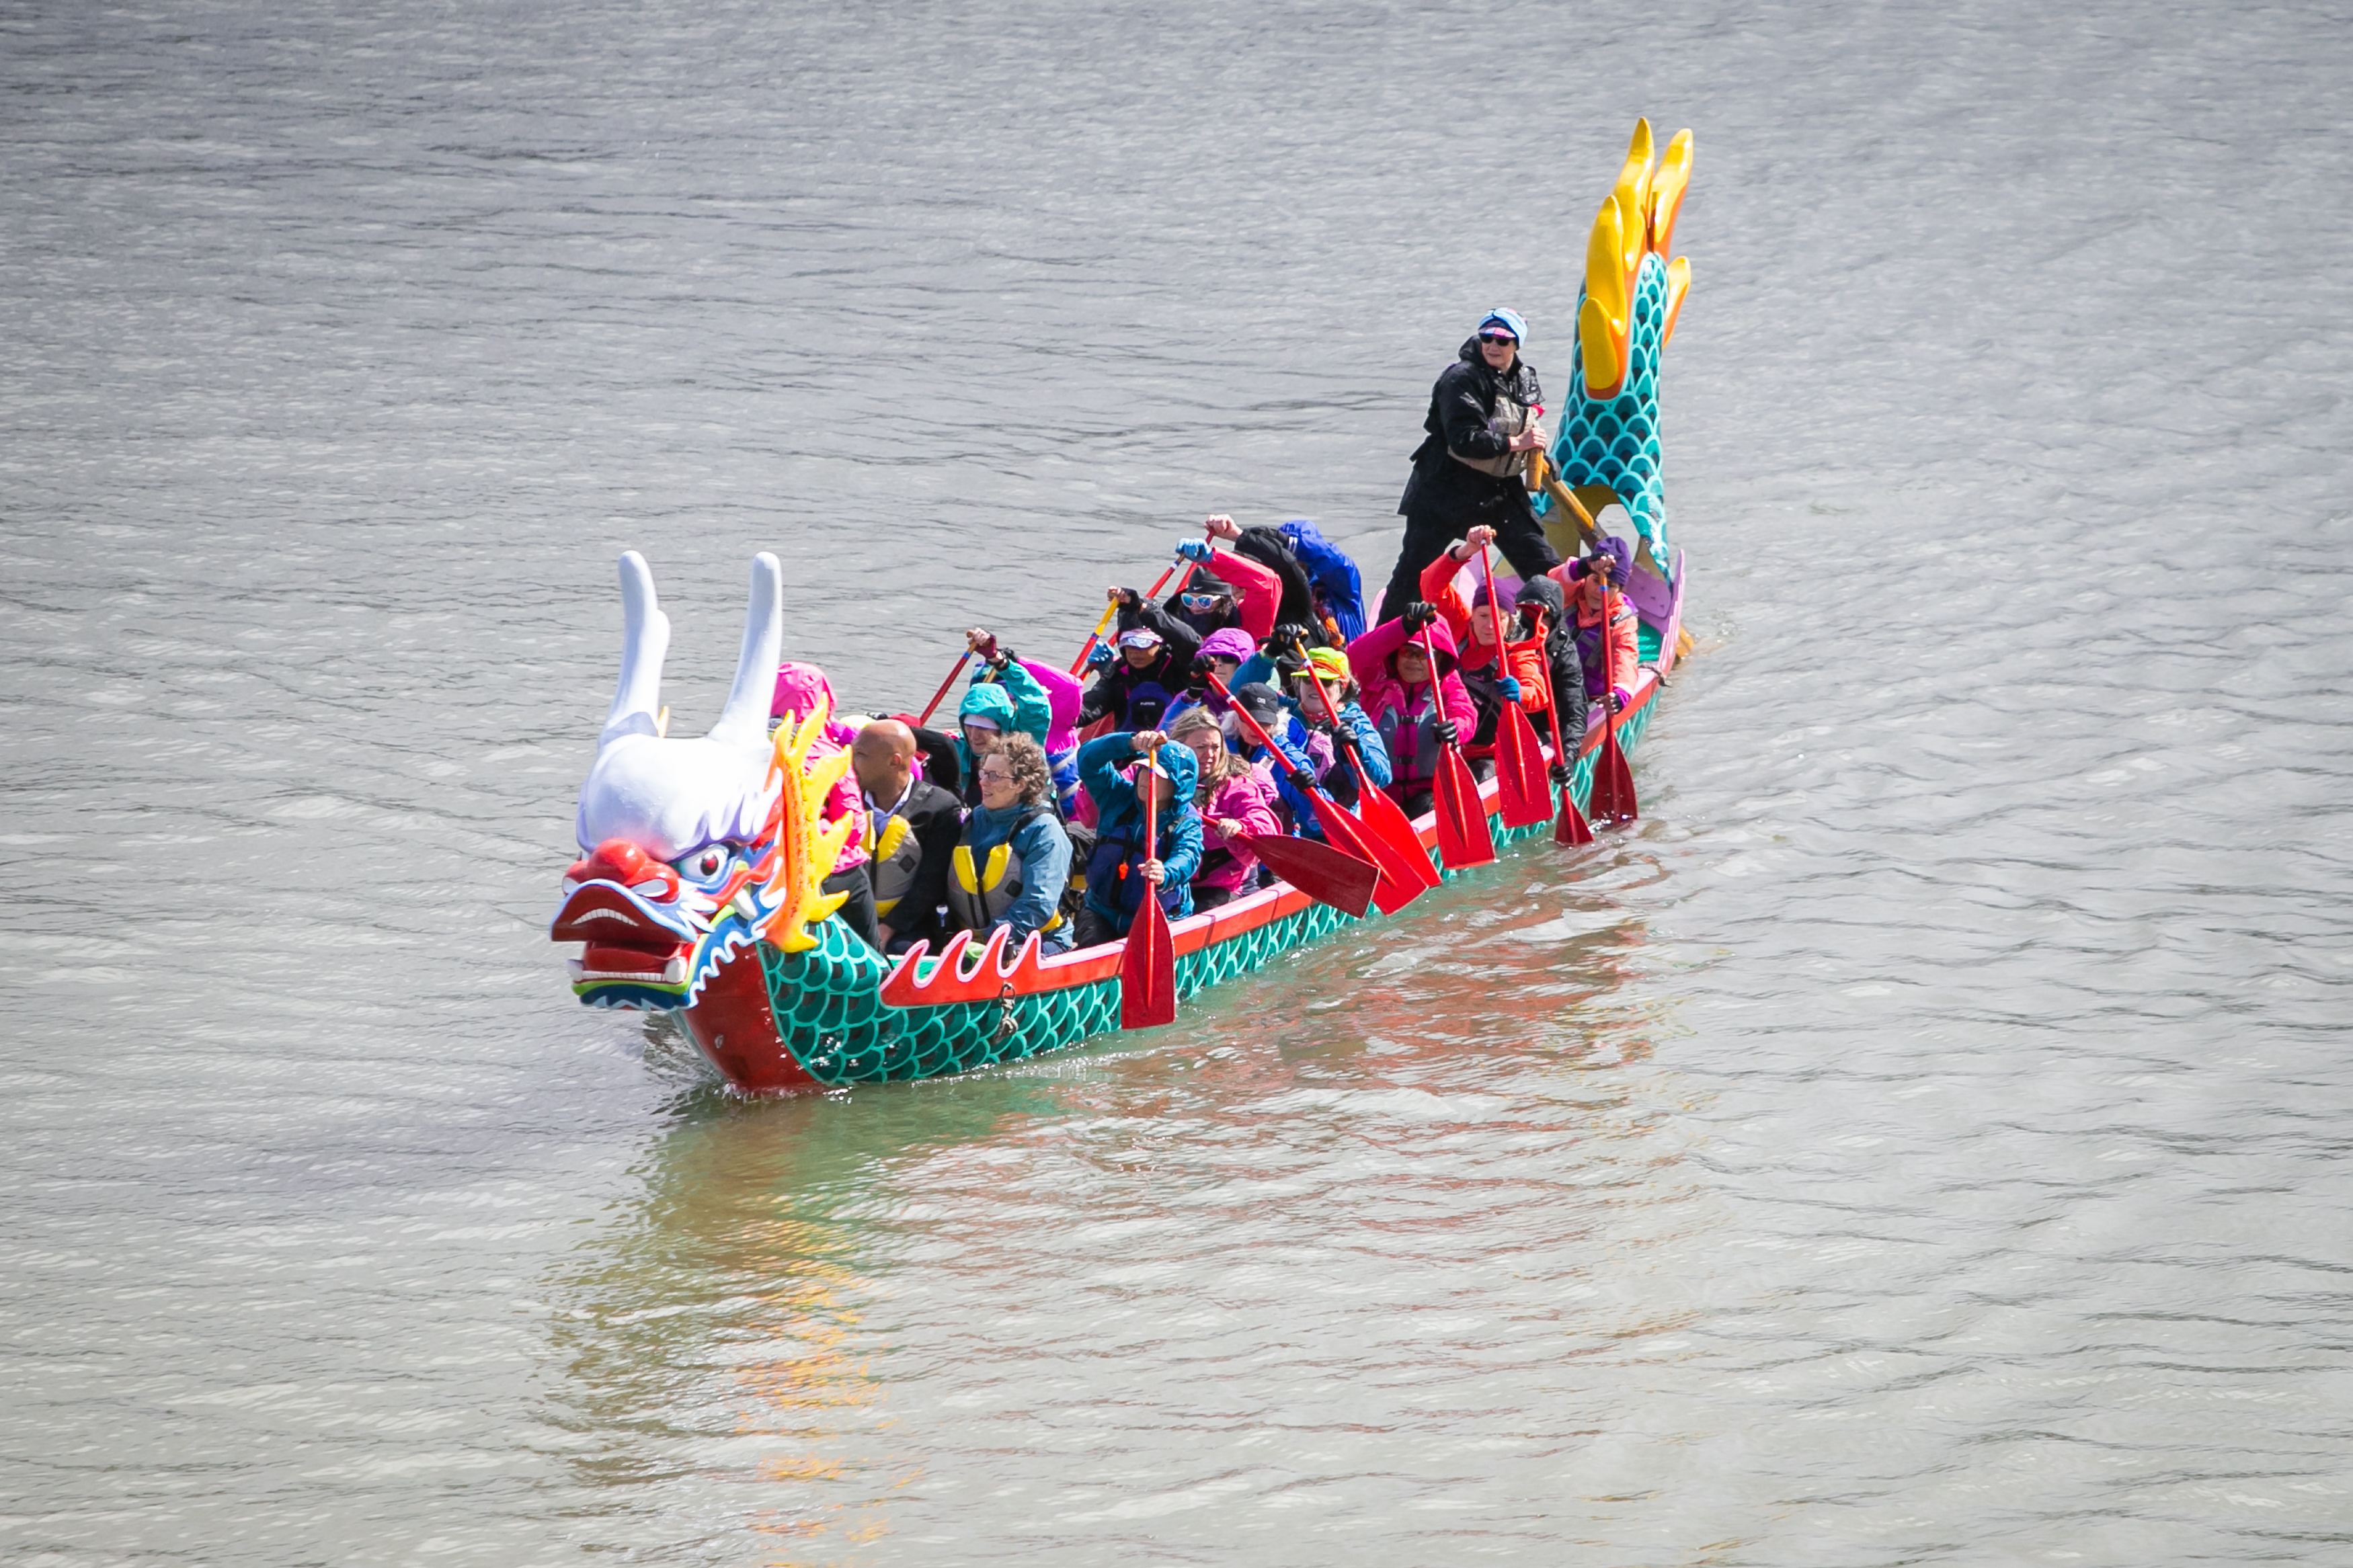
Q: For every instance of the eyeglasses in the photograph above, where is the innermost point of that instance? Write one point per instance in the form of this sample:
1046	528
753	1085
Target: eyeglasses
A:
994	775
1497	337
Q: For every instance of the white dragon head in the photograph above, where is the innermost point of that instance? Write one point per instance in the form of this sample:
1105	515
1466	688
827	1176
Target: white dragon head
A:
692	848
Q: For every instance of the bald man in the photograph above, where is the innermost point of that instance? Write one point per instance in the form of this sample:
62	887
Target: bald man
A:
913	828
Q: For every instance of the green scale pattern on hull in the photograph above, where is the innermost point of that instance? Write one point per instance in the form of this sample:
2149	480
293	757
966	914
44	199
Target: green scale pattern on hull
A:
829	1011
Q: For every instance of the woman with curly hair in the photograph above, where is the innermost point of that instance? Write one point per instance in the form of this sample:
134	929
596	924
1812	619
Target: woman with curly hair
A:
1014	858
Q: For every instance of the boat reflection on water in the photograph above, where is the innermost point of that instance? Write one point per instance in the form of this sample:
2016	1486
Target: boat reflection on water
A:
713	1338
813	1298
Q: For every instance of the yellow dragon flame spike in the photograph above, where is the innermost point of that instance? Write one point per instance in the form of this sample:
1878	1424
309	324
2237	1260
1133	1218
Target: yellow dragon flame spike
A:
1667	187
1601	321
1637	217
1678	285
1633	193
805	846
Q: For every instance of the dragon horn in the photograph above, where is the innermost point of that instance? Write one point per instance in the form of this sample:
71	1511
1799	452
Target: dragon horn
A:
745	716
645	638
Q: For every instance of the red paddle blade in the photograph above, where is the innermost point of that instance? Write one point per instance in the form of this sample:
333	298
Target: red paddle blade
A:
1524	792
1386	820
1613	799
1323	873
1572	828
1399	886
1464	838
1148	970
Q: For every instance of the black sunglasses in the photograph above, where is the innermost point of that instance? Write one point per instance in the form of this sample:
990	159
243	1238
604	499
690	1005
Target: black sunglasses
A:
1497	337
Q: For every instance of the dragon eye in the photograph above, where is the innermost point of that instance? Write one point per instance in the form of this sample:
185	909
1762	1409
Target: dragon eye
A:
706	865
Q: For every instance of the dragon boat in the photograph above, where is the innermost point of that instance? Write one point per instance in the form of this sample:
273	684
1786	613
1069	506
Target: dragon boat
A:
699	888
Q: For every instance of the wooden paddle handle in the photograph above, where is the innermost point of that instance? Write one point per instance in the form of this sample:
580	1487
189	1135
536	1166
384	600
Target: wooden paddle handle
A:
1563	496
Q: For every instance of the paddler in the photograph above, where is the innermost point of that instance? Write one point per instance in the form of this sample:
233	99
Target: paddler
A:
1234	798
1063	697
1123	866
1225	589
1003	699
1014	858
800	688
1140	674
912	825
1418	711
1328	749
1471	469
1605	631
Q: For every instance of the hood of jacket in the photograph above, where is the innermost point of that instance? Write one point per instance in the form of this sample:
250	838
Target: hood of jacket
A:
1441	641
991	702
1229	642
1334	574
1545	592
798	688
1183	769
1519	385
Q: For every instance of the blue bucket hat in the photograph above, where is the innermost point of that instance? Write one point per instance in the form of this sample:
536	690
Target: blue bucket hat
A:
1507	320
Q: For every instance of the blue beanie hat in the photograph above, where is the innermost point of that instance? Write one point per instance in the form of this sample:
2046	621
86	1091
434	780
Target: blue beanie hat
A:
1506	319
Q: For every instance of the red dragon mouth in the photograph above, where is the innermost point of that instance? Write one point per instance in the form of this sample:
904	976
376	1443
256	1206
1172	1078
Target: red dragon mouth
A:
626	940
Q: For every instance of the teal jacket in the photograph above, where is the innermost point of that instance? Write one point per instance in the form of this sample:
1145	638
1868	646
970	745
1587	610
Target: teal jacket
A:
1119	830
1013	699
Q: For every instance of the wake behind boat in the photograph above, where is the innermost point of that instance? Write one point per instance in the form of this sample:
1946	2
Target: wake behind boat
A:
701	888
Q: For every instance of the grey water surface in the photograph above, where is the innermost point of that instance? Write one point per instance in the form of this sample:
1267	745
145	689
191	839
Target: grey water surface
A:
1923	1139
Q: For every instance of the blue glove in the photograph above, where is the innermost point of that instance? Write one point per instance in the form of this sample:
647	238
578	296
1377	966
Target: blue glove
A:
1197	551
1509	688
1101	657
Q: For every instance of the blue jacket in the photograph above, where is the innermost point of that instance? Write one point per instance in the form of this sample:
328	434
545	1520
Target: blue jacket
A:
1119	830
1045	851
1333	575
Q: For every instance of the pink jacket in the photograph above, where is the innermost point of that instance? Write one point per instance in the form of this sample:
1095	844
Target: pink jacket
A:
1246	798
798	686
1368	658
1064	692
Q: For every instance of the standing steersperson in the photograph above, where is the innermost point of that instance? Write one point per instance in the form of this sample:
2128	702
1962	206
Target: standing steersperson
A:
1473	468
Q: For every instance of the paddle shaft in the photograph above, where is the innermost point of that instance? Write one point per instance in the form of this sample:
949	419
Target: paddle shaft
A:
1566	497
1495	612
1148	786
1257	731
932	706
1438	691
1340	737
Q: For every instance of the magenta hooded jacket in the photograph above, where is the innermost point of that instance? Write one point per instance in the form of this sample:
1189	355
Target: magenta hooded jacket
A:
798	686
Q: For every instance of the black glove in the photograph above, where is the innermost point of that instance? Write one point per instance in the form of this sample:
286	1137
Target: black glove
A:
1129	598
1303	780
1445	733
1561	773
1417	615
1290	635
